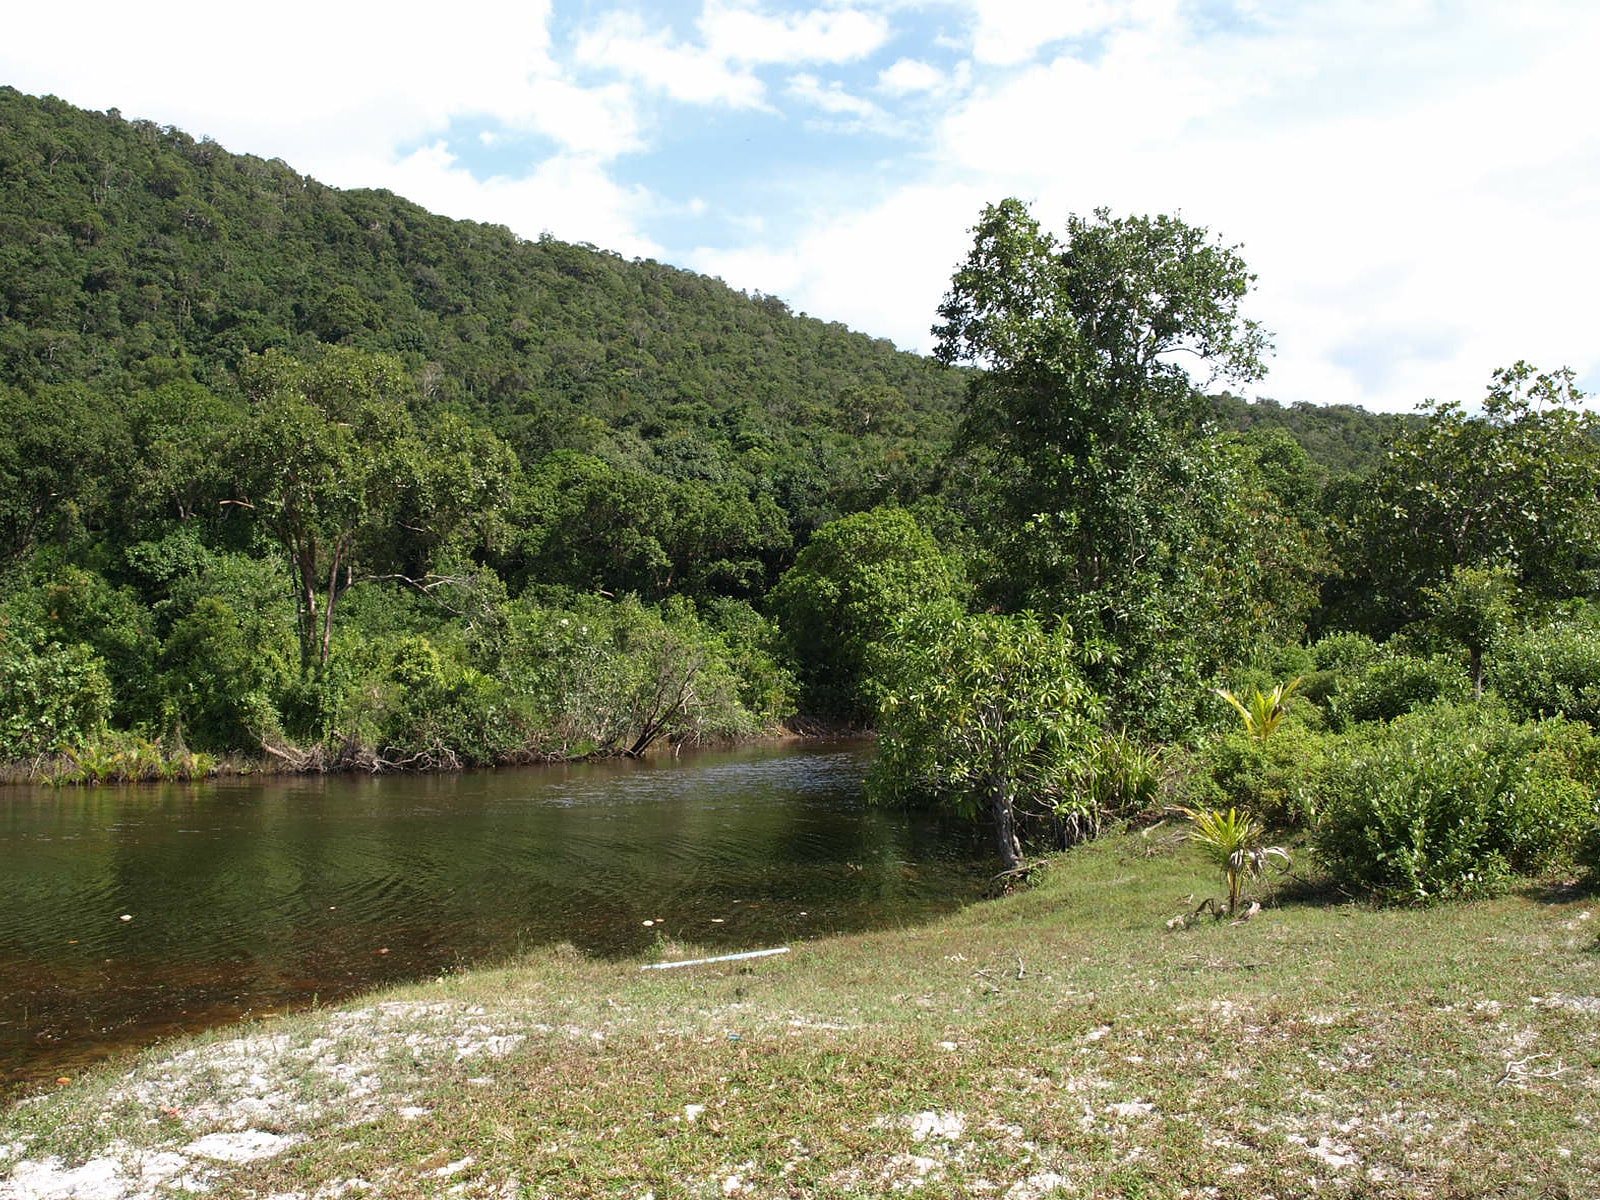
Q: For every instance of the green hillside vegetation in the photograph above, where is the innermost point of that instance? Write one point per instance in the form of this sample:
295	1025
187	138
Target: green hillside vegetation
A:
315	475
126	244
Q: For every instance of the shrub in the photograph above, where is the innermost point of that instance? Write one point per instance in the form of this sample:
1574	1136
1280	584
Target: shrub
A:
50	694
1345	652
1336	660
1235	842
1275	779
220	670
1396	684
1551	672
1449	801
750	645
842	597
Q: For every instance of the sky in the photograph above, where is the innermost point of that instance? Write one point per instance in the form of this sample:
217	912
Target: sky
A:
1415	183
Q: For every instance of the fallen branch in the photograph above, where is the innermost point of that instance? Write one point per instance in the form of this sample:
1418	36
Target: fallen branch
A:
1517	1070
695	962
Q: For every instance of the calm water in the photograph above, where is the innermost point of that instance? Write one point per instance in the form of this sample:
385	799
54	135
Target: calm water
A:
248	897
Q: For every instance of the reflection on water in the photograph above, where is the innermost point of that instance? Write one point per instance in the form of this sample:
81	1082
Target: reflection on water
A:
128	914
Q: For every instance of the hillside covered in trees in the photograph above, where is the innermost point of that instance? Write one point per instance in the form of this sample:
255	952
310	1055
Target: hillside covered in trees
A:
315	474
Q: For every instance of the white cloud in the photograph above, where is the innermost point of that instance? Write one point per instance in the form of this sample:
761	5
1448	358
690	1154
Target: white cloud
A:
742	33
1414	182
596	121
831	98
691	74
735	39
908	76
568	196
337	90
1417	211
1009	32
306	80
882	270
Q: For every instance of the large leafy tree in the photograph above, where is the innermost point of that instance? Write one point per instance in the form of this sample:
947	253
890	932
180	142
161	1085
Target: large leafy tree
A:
1082	438
841	598
322	458
1515	486
55	443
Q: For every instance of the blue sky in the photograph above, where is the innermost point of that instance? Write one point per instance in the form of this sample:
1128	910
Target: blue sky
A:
1416	183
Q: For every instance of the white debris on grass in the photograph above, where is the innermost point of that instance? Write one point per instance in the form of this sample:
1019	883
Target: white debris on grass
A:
227	1090
1131	1109
334	1190
1588	1005
735	1183
453	1168
946	1126
47	1179
119	1174
1036	1187
1335	1154
250	1145
906	1171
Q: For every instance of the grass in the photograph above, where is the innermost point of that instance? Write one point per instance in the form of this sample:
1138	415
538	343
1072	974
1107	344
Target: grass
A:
1062	1041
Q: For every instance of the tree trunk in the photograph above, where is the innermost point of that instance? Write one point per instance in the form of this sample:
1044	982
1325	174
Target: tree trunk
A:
1005	824
1475	662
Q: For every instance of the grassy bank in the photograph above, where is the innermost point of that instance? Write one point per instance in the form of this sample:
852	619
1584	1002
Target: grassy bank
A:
1063	1041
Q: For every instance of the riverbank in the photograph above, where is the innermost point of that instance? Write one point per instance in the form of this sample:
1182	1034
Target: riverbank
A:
1061	1041
124	759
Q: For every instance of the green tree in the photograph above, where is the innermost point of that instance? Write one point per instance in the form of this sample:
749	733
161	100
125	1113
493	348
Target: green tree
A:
1082	439
321	458
54	446
1516	486
51	694
176	467
458	480
843	595
986	715
1475	608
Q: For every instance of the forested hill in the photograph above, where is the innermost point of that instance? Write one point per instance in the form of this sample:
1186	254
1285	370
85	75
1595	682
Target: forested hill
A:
124	241
1340	439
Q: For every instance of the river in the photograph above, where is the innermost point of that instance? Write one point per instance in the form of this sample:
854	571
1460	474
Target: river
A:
135	913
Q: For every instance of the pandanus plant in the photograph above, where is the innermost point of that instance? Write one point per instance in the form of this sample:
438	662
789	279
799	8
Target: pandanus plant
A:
1233	840
1263	712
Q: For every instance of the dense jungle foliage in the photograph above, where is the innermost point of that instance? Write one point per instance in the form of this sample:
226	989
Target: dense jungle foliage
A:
316	475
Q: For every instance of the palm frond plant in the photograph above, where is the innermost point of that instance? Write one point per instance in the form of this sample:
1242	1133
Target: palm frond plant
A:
1263	712
1235	841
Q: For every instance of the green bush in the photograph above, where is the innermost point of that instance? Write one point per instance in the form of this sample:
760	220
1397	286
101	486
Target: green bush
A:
73	606
51	695
1395	684
1554	671
1345	652
841	598
1450	801
1336	660
432	710
751	648
221	671
1275	779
